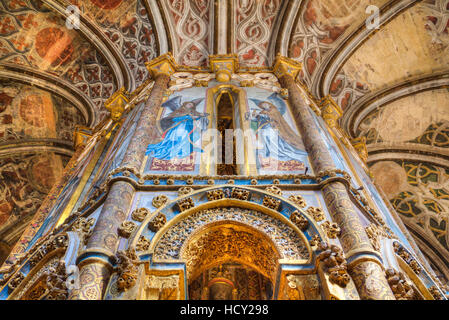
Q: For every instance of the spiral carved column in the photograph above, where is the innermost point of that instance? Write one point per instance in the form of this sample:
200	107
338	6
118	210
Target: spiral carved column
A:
95	262
364	267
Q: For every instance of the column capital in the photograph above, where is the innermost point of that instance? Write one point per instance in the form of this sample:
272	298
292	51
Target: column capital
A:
81	136
330	111
164	64
116	104
286	66
224	65
359	145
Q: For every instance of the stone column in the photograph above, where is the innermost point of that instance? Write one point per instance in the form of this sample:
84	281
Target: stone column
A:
365	266
95	262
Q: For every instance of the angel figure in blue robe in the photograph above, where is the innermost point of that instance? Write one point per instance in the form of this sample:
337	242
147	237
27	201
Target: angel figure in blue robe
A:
279	140
179	131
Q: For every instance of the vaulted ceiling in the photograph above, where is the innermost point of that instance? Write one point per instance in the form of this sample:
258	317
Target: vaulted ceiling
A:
391	82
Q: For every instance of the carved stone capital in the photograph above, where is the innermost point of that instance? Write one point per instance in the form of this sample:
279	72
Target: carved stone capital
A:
164	64
116	104
224	65
286	66
330	111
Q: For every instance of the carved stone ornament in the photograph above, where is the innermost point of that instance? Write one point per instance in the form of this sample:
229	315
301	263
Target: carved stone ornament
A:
298	200
56	282
374	234
298	219
185	204
83	226
335	262
214	195
157	222
55	242
274	190
127	267
332	230
143	244
271	203
436	294
140	214
160	200
126	229
401	252
415	266
401	288
16	281
315	241
163	287
240	194
316	213
183	191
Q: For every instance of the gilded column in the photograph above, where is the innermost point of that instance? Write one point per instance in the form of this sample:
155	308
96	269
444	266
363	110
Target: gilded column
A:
95	262
365	266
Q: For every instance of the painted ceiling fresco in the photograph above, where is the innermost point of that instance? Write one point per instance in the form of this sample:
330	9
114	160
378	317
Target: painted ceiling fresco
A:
415	43
117	37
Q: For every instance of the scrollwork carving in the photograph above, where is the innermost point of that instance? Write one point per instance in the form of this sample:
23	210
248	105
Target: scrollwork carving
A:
157	222
332	230
126	229
316	213
183	191
159	201
140	214
274	190
298	219
143	244
298	200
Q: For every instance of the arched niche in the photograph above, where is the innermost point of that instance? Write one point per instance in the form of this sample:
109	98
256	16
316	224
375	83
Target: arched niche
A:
252	236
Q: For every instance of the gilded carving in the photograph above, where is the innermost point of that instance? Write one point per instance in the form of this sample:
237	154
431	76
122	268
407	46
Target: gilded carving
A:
126	229
332	230
215	195
83	226
240	194
274	190
335	262
157	222
143	244
288	242
298	200
436	294
374	234
183	191
402	289
16	281
185	204
160	201
127	268
140	214
316	213
298	219
271	203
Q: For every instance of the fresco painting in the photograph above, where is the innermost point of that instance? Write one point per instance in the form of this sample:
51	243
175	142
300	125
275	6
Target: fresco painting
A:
279	144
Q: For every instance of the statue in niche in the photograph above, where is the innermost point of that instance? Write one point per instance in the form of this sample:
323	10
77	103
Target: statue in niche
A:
180	130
